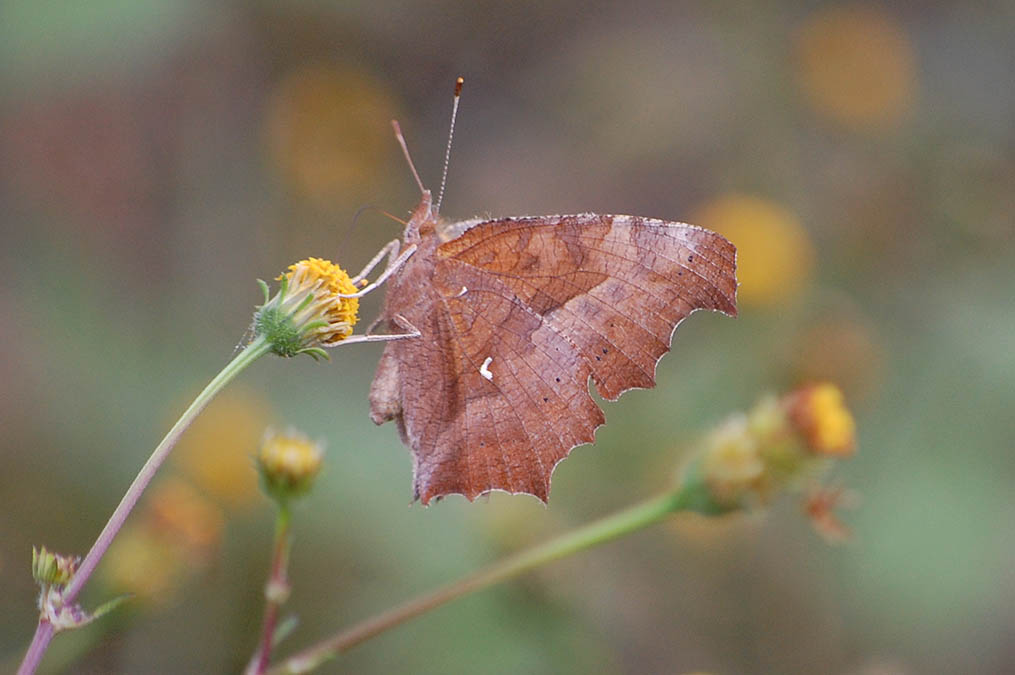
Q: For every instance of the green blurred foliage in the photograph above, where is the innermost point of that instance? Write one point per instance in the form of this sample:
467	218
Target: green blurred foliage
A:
156	157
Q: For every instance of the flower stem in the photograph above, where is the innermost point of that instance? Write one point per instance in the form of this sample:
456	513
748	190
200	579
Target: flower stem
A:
611	527
250	353
40	642
275	591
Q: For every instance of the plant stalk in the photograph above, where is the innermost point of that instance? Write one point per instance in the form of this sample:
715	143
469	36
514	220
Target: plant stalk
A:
611	527
275	591
44	631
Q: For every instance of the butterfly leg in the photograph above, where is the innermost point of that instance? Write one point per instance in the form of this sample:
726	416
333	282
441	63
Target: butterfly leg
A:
390	249
373	324
392	267
411	332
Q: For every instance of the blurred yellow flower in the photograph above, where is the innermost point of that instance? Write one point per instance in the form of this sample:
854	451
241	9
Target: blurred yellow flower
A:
179	511
176	536
217	449
856	65
289	462
783	444
820	413
327	131
731	464
142	563
774	253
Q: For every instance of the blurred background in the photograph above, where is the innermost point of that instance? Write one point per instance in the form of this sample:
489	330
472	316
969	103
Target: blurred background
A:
156	157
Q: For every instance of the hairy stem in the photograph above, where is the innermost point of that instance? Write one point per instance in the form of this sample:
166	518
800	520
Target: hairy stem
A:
629	520
40	642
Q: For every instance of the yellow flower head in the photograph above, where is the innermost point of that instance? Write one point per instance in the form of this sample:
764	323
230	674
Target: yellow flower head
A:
322	134
309	312
175	539
731	464
143	563
857	65
774	251
289	463
179	512
326	280
215	451
820	414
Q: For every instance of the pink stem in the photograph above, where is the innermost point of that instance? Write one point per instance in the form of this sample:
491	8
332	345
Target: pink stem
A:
44	631
278	582
43	634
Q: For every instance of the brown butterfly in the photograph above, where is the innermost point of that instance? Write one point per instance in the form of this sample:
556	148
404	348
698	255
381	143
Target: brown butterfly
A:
505	320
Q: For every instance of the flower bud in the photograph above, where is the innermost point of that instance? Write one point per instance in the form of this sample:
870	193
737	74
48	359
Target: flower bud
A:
782	445
289	462
52	569
731	464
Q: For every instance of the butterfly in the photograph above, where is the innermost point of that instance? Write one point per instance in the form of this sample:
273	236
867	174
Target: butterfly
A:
501	323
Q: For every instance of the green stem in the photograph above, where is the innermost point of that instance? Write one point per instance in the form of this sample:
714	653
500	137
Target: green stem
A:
259	347
275	592
611	527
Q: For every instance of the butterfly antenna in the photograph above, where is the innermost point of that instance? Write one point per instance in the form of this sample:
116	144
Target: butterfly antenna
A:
373	207
405	151
451	135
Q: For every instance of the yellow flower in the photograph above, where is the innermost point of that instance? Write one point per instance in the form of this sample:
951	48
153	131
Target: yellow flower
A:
323	134
820	414
309	312
326	280
289	463
856	66
774	253
179	512
177	534
783	445
215	451
731	464
142	563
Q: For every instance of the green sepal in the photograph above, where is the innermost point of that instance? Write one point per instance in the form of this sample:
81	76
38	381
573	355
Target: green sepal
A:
110	605
285	629
695	494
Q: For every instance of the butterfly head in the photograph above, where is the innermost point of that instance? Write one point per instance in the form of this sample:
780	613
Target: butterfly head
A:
422	219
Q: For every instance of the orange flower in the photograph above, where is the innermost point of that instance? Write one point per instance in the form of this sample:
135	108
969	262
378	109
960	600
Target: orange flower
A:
856	66
820	414
782	445
325	132
177	534
182	514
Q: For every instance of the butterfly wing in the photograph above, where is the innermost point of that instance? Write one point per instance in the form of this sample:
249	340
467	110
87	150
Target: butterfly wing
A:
522	312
